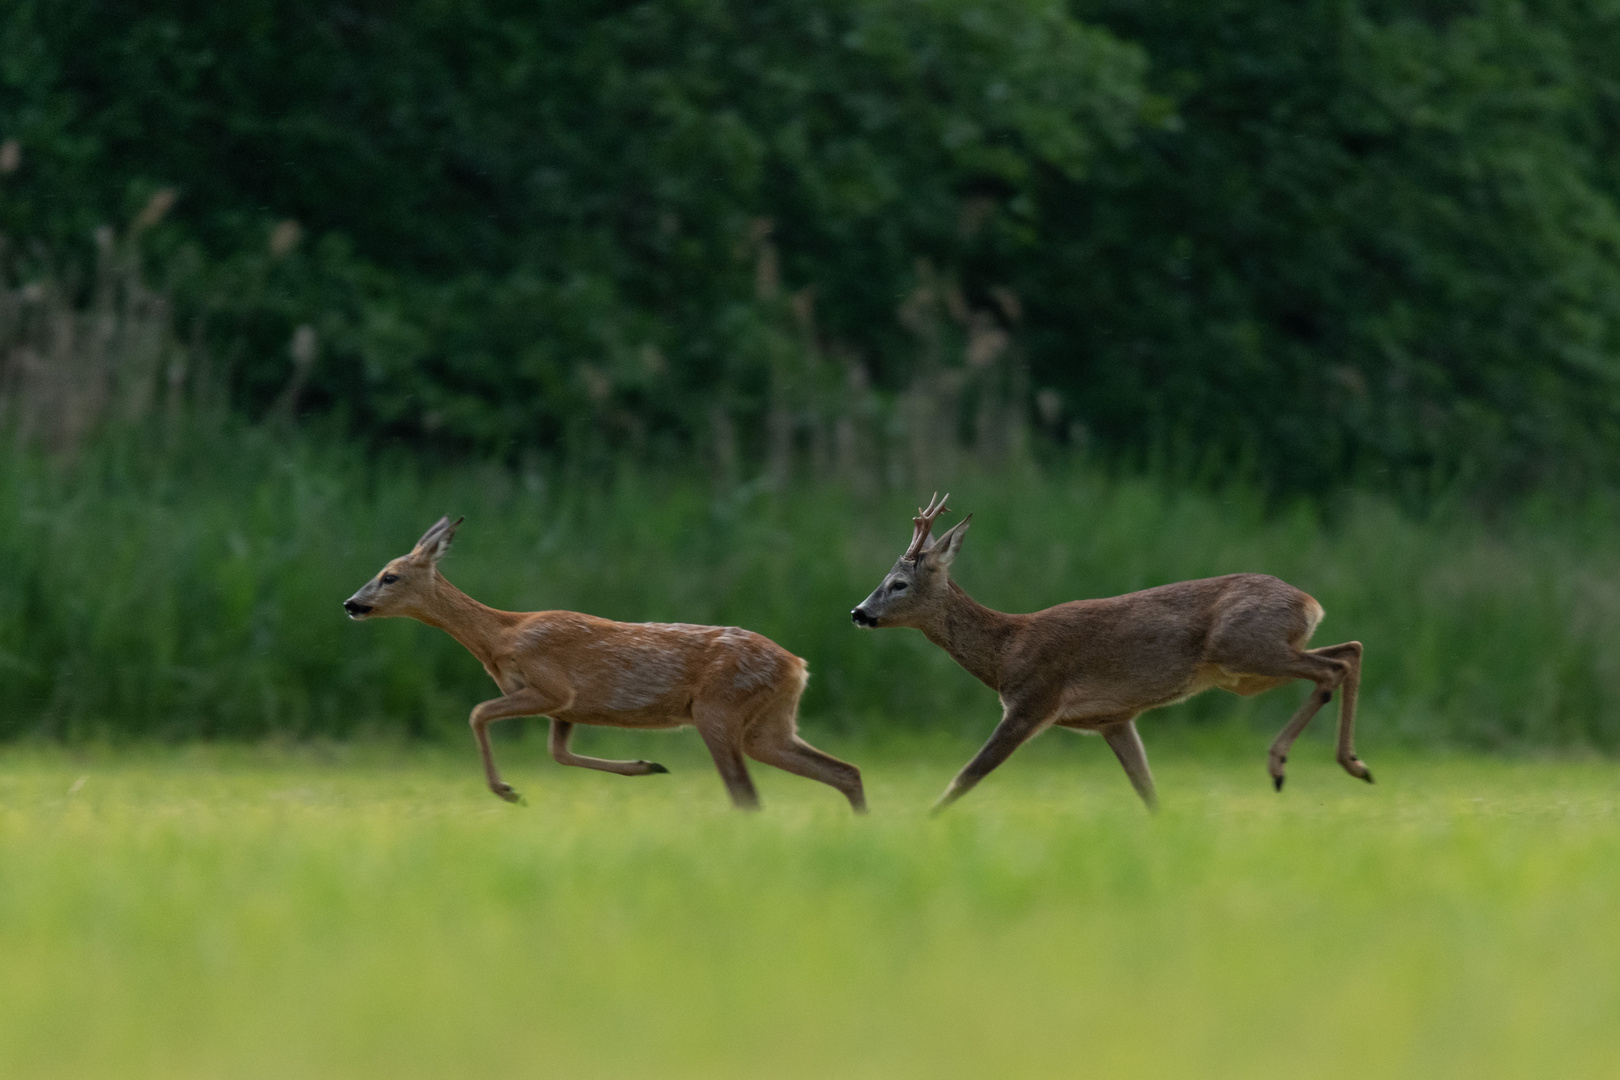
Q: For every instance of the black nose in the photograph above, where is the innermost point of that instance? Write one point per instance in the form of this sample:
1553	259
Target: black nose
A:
862	618
355	609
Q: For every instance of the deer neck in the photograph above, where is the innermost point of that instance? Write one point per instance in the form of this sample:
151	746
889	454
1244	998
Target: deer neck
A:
479	628
976	636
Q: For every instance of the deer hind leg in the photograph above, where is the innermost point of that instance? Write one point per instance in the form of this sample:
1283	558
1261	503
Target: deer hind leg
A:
773	738
1350	653
1016	728
720	734
523	703
1330	667
1126	743
562	731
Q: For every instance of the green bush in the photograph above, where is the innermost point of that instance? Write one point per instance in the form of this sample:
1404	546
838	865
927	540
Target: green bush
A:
543	225
1382	242
1366	242
194	590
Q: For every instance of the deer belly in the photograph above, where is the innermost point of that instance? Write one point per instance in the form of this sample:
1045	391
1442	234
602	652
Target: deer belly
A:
639	696
1107	699
647	701
627	718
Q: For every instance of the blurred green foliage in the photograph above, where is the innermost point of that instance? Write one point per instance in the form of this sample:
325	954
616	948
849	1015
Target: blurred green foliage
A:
1374	241
193	589
522	223
1383	241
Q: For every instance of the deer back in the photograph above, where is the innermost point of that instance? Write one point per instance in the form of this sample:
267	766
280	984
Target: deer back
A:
1158	645
604	669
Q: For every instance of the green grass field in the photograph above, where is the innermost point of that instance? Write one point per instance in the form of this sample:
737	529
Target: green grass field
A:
369	910
195	592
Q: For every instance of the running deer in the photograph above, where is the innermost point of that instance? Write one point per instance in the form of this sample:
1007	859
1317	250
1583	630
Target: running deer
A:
1095	665
738	688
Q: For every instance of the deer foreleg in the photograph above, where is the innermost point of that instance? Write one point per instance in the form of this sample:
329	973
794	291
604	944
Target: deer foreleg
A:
1015	729
562	731
1126	743
525	702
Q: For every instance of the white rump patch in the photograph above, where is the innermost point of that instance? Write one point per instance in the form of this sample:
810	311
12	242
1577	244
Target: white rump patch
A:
1313	616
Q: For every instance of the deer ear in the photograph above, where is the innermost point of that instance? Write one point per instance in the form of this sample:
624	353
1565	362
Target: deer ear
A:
943	552
436	541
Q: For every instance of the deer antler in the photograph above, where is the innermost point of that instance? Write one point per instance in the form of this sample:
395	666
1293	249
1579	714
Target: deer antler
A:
924	524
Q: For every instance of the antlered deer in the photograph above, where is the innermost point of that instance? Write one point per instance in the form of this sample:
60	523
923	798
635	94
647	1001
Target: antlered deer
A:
1094	665
738	688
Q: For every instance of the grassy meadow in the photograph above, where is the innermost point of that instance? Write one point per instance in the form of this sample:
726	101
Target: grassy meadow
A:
686	307
366	909
241	836
186	587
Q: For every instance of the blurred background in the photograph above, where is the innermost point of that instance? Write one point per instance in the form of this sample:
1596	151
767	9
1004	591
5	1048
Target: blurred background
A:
687	304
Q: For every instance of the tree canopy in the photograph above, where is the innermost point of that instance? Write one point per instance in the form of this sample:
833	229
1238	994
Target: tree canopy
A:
1326	241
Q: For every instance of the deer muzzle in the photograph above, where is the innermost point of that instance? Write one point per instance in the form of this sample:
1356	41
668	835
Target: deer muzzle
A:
355	608
861	618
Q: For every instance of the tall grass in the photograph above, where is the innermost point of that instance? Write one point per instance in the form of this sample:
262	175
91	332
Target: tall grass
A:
81	352
191	587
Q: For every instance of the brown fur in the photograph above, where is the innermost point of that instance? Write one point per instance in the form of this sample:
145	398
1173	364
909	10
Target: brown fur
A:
1095	665
738	688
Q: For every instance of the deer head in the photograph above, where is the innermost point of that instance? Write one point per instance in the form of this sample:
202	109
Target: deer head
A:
404	585
920	578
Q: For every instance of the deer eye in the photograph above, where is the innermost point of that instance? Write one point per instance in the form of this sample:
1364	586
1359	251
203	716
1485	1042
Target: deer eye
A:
898	586
389	579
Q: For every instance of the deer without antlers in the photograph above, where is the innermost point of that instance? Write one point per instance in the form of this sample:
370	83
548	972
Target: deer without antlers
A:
738	688
1095	665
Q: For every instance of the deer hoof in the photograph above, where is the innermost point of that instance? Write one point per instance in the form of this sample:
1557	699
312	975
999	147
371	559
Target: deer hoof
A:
1277	782
505	791
654	767
1357	768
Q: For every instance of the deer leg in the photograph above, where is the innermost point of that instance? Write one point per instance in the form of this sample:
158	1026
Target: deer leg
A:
800	758
1350	653
1015	729
1254	662
718	737
1329	673
774	740
562	731
1126	743
525	702
1277	756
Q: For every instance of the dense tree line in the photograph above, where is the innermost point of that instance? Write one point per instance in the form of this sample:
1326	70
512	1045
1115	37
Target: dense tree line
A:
1323	240
1383	240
